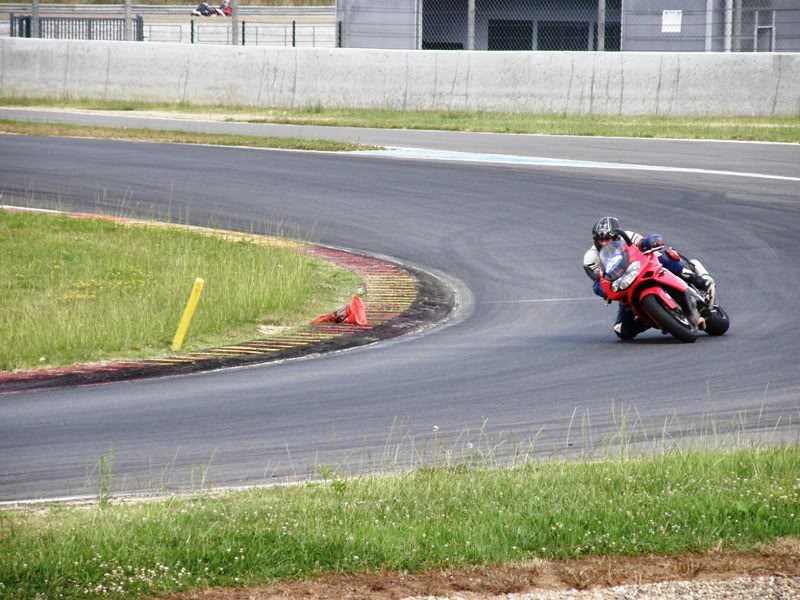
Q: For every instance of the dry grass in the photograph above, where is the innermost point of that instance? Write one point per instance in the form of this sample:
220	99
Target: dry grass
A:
779	558
181	137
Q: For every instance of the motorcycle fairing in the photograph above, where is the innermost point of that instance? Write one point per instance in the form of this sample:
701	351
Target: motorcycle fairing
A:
666	299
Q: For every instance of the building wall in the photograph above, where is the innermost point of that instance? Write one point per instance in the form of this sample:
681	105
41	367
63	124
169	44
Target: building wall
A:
784	15
787	26
617	83
642	26
379	23
443	23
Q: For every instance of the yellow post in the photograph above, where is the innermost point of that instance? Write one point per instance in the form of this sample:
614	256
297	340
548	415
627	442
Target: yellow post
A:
188	313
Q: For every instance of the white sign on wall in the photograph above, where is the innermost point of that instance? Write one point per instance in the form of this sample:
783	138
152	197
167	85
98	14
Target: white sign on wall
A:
671	21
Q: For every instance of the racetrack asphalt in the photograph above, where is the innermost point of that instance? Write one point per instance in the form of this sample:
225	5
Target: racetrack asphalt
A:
528	354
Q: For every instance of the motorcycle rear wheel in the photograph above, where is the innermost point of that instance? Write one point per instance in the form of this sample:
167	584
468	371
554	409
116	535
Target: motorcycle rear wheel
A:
674	323
717	322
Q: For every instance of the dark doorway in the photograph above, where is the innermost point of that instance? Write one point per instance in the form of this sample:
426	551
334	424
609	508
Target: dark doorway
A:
612	37
510	35
442	45
562	35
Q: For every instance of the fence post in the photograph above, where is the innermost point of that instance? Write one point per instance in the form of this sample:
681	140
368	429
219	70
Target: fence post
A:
737	27
128	16
339	35
235	23
140	28
191	31
601	25
243	36
293	33
727	6
35	19
470	24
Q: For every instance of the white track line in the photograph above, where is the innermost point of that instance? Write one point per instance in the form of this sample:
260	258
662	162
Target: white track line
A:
535	300
538	161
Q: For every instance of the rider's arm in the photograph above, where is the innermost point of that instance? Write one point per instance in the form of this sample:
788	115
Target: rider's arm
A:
591	263
636	238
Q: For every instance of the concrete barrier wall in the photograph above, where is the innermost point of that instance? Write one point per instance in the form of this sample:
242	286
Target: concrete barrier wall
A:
563	82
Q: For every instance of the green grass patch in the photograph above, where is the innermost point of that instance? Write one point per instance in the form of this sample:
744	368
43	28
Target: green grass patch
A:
181	137
771	129
431	518
77	290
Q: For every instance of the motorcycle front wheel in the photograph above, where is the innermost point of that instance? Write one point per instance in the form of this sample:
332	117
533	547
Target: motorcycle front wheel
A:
673	322
717	322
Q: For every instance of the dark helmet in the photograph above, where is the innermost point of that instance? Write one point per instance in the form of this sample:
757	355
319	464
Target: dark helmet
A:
652	242
605	229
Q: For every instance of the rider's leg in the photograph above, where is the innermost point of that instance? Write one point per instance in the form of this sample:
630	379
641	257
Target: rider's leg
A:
628	326
691	271
700	277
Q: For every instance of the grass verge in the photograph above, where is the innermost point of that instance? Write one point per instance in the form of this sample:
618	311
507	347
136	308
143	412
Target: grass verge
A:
77	290
770	129
182	137
431	518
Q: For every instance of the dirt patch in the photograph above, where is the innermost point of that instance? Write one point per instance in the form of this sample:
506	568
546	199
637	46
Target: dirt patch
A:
781	559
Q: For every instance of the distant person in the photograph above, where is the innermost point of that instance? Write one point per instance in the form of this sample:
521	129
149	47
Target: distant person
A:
204	10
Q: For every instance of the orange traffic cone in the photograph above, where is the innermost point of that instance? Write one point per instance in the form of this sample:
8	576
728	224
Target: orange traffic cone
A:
354	313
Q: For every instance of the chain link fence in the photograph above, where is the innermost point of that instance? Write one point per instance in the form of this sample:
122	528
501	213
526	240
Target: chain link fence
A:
283	26
573	25
516	25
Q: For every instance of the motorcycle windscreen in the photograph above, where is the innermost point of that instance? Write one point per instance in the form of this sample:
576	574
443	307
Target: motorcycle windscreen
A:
614	257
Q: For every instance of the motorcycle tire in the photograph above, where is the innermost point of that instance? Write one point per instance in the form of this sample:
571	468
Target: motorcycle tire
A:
674	323
717	322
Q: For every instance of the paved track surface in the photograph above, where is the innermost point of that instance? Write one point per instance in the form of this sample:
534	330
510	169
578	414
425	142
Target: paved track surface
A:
528	354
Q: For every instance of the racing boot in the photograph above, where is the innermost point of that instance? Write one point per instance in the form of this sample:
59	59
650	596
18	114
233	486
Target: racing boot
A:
692	297
698	277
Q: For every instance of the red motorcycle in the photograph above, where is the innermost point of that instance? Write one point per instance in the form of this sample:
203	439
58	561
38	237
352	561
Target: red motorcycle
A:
659	298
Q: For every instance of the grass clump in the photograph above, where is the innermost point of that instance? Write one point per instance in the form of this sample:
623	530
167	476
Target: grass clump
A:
77	290
430	518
